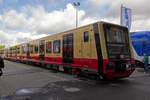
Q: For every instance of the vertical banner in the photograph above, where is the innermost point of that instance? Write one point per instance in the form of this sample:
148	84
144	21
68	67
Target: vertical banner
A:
125	17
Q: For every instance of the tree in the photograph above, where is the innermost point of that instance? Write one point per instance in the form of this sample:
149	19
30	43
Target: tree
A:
2	46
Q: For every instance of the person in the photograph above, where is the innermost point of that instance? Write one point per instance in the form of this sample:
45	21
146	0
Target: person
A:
145	63
1	65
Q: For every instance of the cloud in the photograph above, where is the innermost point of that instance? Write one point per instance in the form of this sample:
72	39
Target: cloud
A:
14	20
32	22
98	2
52	1
57	20
110	10
42	21
38	22
1	1
18	37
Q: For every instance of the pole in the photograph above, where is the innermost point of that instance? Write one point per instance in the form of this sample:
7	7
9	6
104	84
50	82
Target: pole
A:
76	17
76	5
121	15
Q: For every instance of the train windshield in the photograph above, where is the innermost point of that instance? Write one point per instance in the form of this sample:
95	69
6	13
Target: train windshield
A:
117	41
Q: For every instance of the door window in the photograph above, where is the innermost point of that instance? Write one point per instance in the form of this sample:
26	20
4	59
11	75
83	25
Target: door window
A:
42	47
48	47
56	46
36	48
86	36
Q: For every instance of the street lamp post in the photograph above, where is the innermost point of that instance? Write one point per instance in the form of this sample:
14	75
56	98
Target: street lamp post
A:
76	5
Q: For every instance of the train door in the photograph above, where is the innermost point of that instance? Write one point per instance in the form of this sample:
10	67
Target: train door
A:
27	50
68	48
42	49
15	51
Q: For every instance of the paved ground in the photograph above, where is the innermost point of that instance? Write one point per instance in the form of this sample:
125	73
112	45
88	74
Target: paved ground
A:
28	82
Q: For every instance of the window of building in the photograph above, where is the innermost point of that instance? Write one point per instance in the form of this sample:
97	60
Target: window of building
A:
56	46
86	36
48	47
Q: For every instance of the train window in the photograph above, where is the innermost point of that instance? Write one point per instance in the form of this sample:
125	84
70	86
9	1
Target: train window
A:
31	48
86	36
18	50
23	49
36	48
116	36
56	46
48	47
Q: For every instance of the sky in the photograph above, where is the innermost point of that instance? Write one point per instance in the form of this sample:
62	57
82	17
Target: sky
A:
25	20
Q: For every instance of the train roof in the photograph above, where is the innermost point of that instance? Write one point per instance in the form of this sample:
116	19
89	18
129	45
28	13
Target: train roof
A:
59	33
63	32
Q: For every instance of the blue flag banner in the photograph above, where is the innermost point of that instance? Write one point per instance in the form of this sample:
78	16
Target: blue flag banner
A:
126	17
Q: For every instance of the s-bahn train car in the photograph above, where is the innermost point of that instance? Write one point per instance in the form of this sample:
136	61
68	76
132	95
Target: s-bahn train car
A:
101	48
13	53
141	45
3	52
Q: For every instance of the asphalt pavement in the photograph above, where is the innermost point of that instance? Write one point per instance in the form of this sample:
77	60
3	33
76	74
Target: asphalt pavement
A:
26	82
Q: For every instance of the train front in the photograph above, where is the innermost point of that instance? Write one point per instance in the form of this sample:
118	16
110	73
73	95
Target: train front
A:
119	60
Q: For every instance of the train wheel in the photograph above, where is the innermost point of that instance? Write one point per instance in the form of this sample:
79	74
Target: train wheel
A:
55	68
43	65
101	77
27	62
76	72
66	70
48	66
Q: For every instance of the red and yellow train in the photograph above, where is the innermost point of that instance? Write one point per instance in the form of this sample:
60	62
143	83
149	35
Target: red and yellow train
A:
101	48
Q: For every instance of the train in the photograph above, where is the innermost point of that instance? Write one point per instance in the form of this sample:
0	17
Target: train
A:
141	45
102	49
